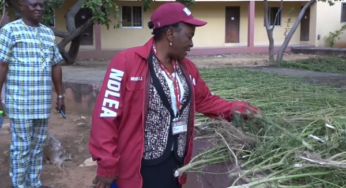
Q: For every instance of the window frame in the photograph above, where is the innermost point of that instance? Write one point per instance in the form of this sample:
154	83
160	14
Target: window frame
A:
121	17
280	17
342	12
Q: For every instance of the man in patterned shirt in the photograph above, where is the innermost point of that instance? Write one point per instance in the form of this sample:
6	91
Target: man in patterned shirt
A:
29	63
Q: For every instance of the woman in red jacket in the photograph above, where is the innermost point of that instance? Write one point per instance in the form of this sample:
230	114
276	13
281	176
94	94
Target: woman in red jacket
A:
143	119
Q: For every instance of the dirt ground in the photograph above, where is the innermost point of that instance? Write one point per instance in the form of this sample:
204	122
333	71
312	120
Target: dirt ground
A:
74	131
73	134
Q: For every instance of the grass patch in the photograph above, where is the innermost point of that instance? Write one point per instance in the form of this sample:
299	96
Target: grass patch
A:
332	64
274	94
285	154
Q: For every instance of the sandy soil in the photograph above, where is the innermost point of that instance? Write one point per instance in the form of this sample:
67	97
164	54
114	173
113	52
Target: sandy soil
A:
74	135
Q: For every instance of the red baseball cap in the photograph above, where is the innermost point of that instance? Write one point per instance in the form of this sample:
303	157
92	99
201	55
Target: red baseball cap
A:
172	13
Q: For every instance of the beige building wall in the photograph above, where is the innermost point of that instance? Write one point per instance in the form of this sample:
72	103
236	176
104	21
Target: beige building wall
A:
126	37
213	34
261	38
328	20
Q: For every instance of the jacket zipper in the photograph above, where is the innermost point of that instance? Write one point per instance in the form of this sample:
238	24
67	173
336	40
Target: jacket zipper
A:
192	108
144	117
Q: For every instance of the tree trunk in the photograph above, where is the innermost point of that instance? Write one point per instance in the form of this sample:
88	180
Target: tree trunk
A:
270	30
74	38
271	45
74	48
3	13
293	30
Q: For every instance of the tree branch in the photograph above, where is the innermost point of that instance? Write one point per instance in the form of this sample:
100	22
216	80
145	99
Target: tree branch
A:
71	14
76	33
277	14
59	33
13	4
3	13
269	31
266	17
293	29
64	54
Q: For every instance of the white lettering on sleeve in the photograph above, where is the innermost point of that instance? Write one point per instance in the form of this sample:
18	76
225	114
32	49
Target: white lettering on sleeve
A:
193	80
108	113
111	103
110	106
110	93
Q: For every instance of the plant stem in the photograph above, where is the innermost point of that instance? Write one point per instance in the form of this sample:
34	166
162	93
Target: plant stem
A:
280	178
189	166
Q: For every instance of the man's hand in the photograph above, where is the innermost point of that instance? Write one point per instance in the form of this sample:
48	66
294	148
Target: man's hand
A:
60	105
100	182
2	107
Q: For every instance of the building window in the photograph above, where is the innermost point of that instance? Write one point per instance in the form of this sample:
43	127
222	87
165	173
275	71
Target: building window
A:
343	12
272	13
131	16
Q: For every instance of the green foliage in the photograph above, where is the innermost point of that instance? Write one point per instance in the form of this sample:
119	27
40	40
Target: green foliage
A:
330	2
333	36
185	2
331	64
102	10
289	21
50	6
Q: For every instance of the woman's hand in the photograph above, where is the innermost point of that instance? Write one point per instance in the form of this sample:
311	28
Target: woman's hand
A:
101	182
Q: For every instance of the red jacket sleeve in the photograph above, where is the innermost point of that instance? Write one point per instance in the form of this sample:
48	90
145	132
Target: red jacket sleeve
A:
215	107
106	117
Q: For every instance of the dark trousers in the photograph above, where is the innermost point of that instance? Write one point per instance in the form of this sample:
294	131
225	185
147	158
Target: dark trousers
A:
161	175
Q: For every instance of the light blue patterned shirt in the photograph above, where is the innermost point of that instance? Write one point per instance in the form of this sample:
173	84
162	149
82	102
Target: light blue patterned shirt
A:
30	53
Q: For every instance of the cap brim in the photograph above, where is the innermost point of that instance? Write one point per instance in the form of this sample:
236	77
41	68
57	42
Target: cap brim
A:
195	22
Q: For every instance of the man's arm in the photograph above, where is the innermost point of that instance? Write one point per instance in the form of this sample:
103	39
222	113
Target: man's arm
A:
57	81
57	78
6	45
3	74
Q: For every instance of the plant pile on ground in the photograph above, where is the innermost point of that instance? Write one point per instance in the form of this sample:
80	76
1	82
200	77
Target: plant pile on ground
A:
300	142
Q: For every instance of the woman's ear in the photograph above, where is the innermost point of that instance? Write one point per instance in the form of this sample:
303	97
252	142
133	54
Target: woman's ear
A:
169	34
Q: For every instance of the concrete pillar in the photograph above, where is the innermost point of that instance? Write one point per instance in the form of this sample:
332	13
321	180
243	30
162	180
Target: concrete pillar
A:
98	36
251	24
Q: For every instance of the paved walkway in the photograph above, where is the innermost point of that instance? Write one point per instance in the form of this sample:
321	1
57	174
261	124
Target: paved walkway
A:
311	76
95	75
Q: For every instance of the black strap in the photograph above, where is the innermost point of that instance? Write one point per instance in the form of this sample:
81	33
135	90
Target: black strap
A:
159	89
171	138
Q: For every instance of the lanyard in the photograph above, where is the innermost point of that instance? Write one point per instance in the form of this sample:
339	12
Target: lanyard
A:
173	78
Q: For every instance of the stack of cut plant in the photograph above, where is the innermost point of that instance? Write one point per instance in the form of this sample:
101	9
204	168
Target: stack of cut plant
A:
281	153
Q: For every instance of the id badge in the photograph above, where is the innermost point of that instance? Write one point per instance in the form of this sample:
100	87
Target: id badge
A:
179	126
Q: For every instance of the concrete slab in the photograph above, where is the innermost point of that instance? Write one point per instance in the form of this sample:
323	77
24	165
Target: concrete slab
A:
83	75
